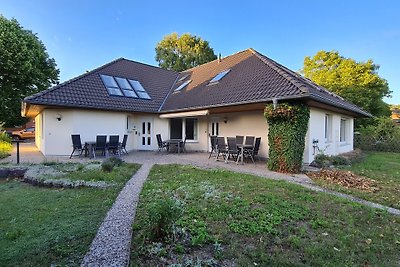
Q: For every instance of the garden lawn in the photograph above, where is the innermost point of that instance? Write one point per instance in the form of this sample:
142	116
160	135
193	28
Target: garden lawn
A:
384	168
55	226
234	219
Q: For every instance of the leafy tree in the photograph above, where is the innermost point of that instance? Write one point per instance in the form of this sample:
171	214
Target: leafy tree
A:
357	82
25	68
183	52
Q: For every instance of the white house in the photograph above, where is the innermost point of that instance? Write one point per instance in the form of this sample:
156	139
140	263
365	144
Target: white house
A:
224	97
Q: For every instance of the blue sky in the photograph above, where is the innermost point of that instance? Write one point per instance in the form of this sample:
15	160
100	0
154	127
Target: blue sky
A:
82	35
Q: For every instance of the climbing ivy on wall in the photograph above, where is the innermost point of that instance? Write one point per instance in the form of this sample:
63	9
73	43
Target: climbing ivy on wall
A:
288	124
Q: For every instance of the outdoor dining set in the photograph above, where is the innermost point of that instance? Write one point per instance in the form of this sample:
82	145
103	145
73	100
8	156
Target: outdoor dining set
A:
100	146
171	145
237	148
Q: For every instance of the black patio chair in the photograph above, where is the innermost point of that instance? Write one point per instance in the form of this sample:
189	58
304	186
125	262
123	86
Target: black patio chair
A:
113	145
239	139
77	145
122	146
161	144
253	152
213	141
232	149
182	145
221	147
256	148
249	140
101	145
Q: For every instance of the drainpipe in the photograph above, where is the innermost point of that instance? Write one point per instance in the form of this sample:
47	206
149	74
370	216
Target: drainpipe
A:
275	102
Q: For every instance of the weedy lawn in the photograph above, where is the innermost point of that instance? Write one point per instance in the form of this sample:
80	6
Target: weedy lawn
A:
192	217
55	226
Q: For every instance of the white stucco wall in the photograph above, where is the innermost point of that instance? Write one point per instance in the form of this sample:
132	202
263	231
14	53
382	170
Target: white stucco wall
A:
316	131
56	135
53	137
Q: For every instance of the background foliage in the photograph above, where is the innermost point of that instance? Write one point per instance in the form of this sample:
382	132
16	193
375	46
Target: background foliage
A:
357	82
25	68
5	143
382	134
183	52
287	124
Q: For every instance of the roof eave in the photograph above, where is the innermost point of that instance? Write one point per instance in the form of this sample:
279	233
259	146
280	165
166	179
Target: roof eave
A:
357	111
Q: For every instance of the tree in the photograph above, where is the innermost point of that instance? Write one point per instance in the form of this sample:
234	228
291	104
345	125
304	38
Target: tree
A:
357	82
183	52
25	68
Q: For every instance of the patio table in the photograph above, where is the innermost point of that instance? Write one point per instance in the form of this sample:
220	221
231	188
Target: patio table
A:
175	142
242	147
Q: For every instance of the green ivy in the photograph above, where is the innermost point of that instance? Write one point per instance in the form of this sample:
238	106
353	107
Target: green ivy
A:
288	124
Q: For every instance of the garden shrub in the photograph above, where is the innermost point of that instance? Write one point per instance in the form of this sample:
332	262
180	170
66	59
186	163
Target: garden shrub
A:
288	123
322	160
162	217
108	164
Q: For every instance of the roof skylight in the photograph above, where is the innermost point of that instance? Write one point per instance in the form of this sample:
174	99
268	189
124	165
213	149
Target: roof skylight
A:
180	87
219	76
183	78
141	92
111	85
124	87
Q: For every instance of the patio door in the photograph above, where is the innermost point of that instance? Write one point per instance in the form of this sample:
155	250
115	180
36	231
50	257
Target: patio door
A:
145	134
213	130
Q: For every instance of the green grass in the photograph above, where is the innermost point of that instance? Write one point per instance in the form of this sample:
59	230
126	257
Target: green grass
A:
383	167
44	226
243	220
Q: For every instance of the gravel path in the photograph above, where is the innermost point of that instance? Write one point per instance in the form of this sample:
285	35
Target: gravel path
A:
111	246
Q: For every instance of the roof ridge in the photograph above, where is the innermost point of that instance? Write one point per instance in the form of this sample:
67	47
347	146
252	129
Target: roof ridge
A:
280	69
169	93
242	51
41	93
134	61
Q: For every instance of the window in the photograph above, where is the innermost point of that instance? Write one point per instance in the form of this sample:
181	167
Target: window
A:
141	92
219	76
180	87
176	128
328	127
183	78
111	85
124	87
191	129
181	127
343	130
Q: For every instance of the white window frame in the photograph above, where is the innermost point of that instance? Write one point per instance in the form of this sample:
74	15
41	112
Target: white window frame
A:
196	131
328	128
343	133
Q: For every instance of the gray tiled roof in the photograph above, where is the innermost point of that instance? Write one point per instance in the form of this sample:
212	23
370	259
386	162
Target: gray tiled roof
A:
252	78
88	90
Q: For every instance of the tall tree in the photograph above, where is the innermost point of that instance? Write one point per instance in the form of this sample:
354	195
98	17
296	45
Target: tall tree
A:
180	53
357	82
25	68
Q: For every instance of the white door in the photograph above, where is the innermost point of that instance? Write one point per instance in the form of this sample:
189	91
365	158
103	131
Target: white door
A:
145	134
214	130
